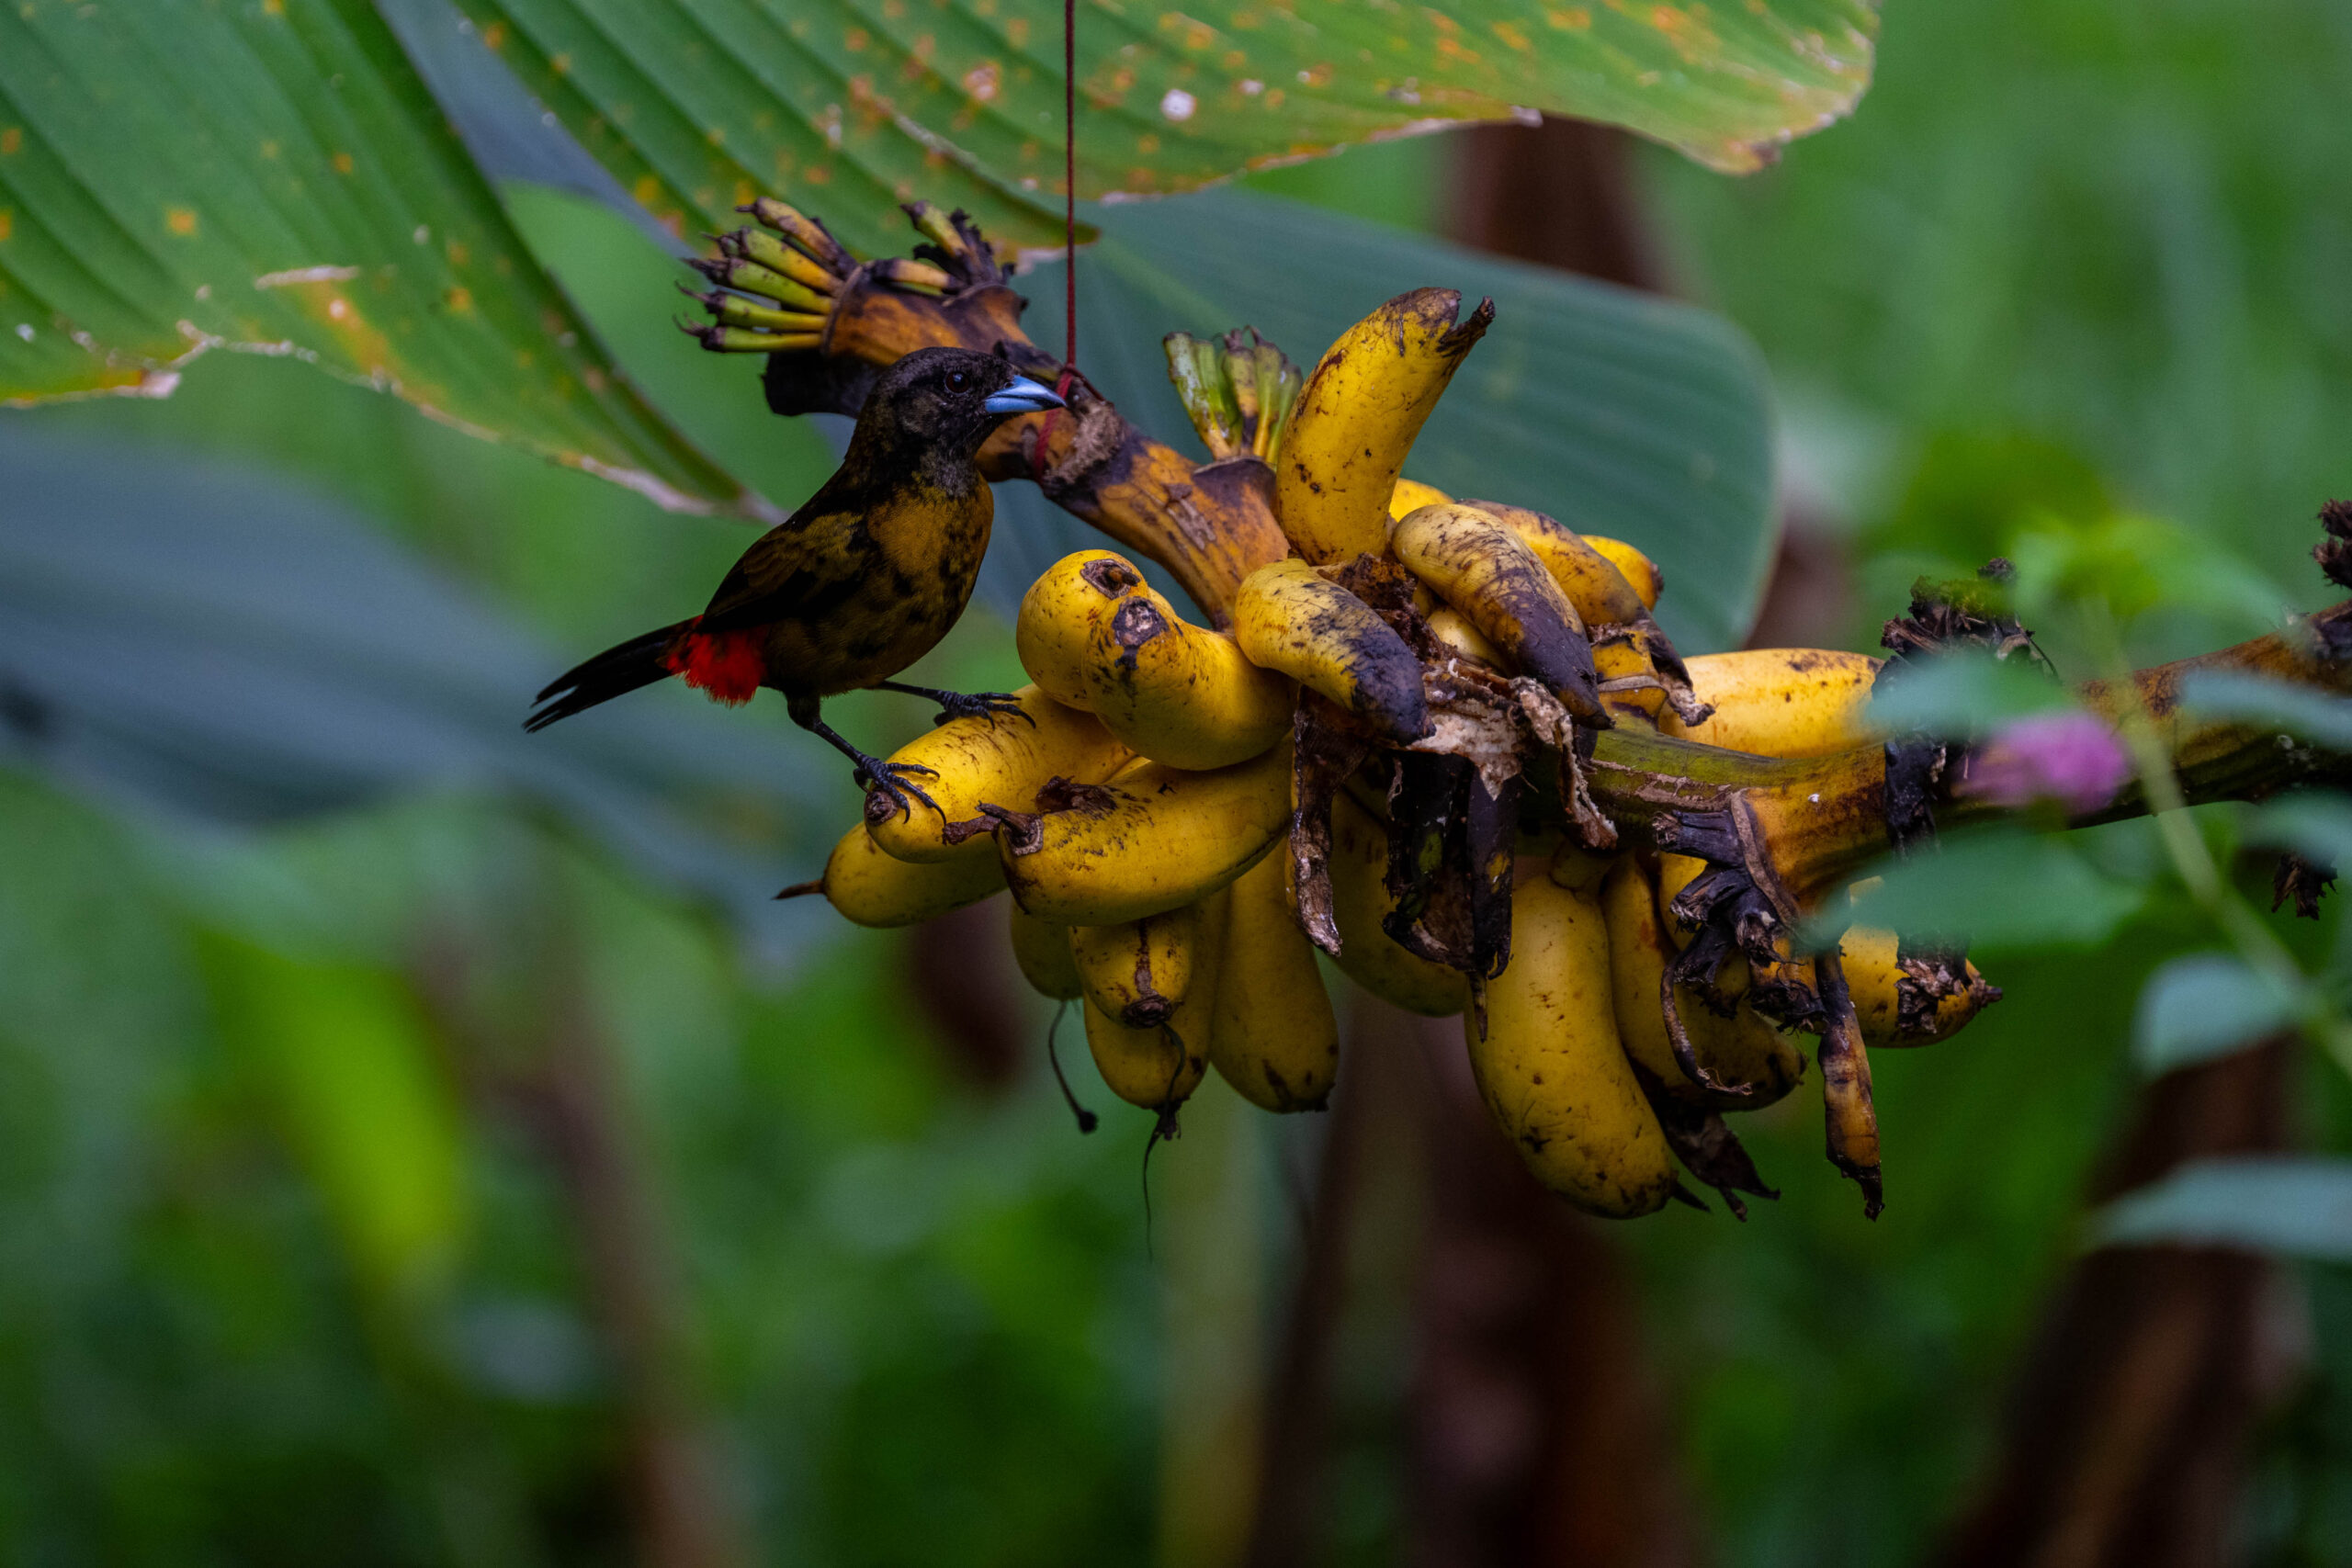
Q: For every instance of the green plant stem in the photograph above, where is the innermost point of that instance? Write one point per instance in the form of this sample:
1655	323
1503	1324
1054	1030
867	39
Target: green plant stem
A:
2192	858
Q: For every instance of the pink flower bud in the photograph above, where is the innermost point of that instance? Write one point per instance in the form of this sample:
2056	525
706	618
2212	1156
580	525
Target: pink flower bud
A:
2070	758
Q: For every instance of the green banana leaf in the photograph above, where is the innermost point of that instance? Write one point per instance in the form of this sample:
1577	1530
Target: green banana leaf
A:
854	105
274	179
1619	412
183	637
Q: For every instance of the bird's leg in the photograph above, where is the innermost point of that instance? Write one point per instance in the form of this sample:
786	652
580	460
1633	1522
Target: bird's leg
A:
961	704
892	779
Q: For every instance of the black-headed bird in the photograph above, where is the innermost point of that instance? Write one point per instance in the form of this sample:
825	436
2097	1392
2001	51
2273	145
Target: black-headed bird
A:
857	584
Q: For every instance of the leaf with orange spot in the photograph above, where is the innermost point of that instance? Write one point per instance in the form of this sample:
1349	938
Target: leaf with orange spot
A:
278	180
1725	83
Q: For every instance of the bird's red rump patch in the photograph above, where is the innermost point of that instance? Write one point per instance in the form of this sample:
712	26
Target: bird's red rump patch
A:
728	665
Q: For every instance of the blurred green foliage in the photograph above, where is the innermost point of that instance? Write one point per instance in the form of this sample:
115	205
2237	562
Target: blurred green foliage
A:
2071	257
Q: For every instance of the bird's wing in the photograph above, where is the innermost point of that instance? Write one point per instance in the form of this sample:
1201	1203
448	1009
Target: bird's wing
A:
798	571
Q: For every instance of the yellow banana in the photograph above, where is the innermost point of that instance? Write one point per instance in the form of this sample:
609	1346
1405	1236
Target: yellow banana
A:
1780	702
1742	1049
871	888
1627	659
1160	1066
1357	419
993	762
1552	1070
1639	569
1628	649
1867	957
1274	1038
1153	839
1094	636
1483	569
1452	629
1360	902
1411	495
1138	971
1290	617
1599	591
1042	949
1675	873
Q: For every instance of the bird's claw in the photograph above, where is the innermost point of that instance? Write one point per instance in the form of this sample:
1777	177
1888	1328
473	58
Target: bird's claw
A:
892	779
980	704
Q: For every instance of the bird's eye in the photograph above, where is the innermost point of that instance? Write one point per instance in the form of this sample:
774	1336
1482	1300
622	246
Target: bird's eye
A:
956	380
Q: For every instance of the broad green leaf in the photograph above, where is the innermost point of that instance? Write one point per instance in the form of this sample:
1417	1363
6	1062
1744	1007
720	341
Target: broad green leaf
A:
2299	710
2290	1205
350	1067
1619	412
2000	888
272	177
2202	1006
849	106
235	650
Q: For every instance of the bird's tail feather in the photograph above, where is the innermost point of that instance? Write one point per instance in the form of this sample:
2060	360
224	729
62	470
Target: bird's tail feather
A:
641	661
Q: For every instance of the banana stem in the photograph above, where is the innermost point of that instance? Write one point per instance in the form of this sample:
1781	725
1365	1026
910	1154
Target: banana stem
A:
1825	816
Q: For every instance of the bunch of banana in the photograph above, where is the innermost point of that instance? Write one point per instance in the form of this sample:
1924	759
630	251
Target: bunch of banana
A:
1378	754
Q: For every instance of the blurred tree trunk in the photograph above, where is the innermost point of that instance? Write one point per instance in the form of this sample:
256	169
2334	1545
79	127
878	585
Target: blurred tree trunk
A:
1290	1524
1562	194
529	1048
1537	1433
1211	1273
1557	194
2129	1422
1533	1434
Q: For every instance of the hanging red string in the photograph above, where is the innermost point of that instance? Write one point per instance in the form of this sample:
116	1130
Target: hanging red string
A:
1069	193
1069	223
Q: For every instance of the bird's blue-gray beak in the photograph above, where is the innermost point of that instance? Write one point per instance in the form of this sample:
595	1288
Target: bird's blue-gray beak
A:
1023	396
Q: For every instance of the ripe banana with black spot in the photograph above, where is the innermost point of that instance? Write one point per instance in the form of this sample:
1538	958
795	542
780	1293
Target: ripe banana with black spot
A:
1592	583
994	761
1780	702
871	888
1552	1070
1639	569
1480	566
1152	839
1357	418
1639	670
1096	636
1290	617
1273	1037
1868	956
1138	971
1159	1066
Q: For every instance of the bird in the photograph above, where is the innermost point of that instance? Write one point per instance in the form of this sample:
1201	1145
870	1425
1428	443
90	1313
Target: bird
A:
859	582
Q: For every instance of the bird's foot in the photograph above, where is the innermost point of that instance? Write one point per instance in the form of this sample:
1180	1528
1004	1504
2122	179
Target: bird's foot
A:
990	705
894	782
982	705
